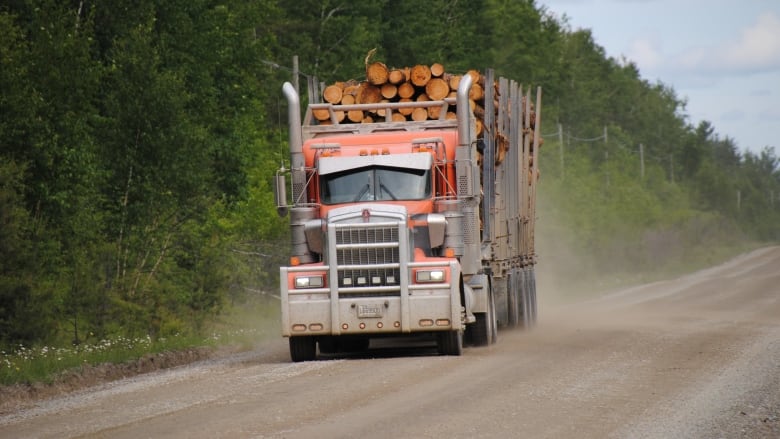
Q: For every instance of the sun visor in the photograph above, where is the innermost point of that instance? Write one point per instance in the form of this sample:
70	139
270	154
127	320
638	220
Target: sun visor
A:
330	165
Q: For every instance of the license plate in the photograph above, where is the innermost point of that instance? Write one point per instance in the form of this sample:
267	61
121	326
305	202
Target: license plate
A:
369	311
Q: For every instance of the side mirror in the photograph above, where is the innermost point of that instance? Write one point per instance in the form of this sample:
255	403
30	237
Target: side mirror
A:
437	224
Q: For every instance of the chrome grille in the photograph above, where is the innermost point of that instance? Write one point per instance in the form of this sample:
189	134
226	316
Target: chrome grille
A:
370	246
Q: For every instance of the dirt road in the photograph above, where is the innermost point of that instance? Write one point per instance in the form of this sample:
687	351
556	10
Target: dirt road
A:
694	357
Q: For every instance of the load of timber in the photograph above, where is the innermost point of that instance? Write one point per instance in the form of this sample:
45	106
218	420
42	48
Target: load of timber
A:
419	83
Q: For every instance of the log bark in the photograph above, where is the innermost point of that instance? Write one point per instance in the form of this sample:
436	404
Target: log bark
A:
368	94
350	90
476	77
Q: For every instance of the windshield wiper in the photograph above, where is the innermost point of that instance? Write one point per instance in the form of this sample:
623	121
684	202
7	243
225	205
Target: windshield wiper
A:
383	187
362	192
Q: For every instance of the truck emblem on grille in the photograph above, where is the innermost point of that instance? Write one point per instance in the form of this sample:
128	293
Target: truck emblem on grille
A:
366	215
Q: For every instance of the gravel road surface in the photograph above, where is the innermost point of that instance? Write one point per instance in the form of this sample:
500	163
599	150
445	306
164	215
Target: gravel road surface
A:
693	357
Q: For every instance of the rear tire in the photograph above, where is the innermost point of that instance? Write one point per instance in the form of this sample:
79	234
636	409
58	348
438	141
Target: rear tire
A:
450	342
533	297
512	299
303	349
525	299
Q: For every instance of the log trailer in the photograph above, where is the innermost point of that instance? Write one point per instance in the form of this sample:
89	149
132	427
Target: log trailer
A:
405	228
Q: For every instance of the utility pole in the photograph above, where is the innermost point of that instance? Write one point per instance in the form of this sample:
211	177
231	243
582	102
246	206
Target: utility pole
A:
606	154
560	148
739	200
642	161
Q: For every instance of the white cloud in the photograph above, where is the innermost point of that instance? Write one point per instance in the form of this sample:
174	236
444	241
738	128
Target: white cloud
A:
756	49
646	53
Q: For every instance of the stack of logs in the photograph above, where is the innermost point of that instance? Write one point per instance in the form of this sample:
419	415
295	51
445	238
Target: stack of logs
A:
408	84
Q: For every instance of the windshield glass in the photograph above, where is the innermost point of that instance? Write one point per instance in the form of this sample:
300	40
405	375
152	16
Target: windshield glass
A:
375	184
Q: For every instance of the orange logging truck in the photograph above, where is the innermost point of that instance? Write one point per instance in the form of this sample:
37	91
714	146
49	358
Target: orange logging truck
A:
410	227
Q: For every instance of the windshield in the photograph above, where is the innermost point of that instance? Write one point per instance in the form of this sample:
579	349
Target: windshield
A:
375	184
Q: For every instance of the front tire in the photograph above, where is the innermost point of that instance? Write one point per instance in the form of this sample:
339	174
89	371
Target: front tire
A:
484	330
303	349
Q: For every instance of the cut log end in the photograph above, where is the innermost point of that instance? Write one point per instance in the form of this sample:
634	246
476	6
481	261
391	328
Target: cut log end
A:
420	75
437	89
376	73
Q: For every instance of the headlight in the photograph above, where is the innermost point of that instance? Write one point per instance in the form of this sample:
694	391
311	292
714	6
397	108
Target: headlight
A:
430	276
309	282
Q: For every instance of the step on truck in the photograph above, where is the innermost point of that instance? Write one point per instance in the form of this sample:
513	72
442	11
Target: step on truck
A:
407	228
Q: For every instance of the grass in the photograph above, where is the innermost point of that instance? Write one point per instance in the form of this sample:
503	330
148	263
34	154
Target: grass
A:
244	326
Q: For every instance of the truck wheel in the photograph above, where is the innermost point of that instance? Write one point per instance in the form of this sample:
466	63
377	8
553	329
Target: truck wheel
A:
512	305
450	342
493	319
533	297
483	331
525	299
303	349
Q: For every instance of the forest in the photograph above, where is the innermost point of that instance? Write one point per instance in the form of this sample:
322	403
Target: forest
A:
139	139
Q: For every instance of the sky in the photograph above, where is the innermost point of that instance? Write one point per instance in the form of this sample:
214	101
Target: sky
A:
721	56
